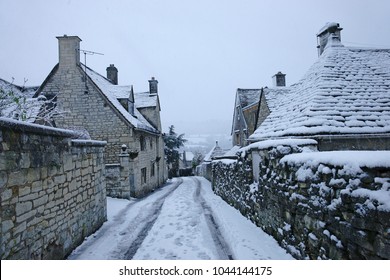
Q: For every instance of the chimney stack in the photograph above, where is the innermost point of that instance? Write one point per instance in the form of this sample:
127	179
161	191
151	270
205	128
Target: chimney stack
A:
112	74
279	79
153	86
332	30
68	51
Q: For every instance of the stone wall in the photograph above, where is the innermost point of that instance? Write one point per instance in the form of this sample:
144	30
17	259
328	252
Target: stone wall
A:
205	170
354	142
52	191
316	209
113	181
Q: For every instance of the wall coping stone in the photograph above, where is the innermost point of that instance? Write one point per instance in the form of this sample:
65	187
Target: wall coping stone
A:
113	165
83	142
35	128
370	159
262	145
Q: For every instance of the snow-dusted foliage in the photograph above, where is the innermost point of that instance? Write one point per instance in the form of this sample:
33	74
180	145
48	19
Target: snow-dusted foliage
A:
19	103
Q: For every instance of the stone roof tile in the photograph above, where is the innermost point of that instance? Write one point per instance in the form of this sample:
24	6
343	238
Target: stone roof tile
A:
347	91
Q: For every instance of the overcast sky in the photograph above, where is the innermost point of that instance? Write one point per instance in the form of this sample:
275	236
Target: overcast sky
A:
200	51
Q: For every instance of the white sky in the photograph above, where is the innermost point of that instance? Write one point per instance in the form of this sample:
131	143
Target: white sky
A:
199	50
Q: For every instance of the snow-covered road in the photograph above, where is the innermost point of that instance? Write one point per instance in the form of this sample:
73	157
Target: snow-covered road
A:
182	220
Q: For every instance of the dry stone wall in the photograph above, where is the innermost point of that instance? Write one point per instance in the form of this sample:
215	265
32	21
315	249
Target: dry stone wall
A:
320	210
52	191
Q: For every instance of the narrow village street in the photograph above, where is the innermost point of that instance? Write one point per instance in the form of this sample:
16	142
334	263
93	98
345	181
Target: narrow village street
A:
182	220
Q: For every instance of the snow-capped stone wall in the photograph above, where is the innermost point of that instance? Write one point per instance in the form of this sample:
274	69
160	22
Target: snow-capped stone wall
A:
52	190
317	205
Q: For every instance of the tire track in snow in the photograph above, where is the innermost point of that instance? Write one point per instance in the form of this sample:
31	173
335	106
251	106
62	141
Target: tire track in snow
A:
151	217
107	228
222	246
121	225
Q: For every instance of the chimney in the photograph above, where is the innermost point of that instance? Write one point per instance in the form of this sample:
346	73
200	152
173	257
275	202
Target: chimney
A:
112	74
153	86
330	32
69	51
279	79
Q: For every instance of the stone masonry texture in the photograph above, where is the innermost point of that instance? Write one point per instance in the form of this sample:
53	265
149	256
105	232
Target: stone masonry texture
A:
83	107
314	216
52	191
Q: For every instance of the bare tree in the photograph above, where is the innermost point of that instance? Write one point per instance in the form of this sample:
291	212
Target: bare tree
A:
18	103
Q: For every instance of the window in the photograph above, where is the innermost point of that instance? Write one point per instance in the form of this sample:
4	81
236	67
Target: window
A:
151	143
142	143
143	175
152	170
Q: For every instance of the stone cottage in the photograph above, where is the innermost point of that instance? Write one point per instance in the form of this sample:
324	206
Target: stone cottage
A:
204	169
109	112
299	181
250	110
342	101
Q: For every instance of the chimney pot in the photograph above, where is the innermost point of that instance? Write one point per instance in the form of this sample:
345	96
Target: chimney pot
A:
331	29
112	74
279	79
153	86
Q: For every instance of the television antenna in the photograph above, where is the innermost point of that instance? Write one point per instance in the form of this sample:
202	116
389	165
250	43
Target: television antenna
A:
85	65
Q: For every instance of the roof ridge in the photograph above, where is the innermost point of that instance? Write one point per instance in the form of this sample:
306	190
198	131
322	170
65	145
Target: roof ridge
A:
328	99
138	123
97	73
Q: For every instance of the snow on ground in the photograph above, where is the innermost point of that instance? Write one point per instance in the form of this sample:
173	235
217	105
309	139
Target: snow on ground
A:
181	228
181	231
123	217
246	240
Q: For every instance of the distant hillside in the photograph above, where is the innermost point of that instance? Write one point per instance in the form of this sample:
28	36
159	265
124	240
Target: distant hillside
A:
203	143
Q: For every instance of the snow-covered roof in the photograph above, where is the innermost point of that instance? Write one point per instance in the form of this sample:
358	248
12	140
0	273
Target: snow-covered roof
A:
328	26
347	91
113	93
216	151
248	96
232	152
145	99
